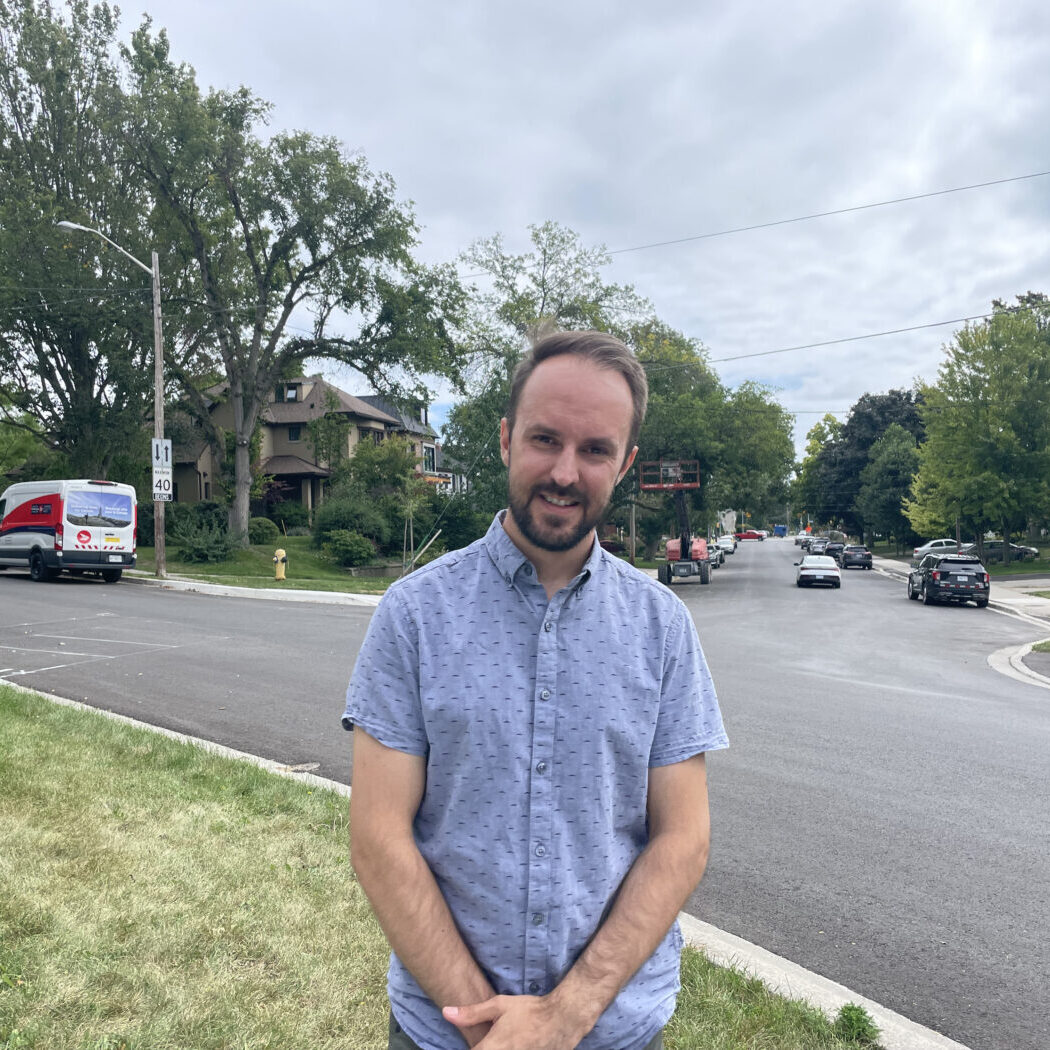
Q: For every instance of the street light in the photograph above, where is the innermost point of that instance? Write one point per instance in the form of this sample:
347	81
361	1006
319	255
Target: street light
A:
158	382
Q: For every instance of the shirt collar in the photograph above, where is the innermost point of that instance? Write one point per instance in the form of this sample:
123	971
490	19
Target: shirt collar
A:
509	560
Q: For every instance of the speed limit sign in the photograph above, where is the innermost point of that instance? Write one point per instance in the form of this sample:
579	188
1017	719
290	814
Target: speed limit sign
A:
162	470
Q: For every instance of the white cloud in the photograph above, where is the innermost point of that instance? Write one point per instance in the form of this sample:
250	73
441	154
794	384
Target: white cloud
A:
633	125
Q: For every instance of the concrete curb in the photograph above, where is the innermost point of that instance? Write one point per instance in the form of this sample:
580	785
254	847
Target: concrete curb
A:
261	593
793	982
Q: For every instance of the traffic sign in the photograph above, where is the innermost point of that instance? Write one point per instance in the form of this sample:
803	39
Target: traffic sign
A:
163	486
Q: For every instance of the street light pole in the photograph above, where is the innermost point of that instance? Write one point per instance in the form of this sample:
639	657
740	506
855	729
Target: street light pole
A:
160	551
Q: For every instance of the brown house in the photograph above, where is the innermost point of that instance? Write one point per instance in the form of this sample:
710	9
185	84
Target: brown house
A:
286	453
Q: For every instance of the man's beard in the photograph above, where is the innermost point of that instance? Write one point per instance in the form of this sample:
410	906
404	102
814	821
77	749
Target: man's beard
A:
551	538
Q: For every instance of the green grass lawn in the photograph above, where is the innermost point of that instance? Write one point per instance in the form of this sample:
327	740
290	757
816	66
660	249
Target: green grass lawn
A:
307	569
154	896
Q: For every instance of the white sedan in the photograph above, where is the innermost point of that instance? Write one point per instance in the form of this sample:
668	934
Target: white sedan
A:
818	570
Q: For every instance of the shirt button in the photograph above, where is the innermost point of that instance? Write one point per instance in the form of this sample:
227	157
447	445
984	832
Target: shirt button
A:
528	570
548	625
545	694
541	850
537	918
541	767
534	987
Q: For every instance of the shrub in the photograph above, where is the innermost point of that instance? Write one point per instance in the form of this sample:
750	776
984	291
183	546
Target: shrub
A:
145	524
298	530
349	548
288	516
262	530
353	515
854	1025
203	543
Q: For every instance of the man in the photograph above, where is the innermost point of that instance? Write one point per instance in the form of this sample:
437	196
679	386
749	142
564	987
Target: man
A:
529	805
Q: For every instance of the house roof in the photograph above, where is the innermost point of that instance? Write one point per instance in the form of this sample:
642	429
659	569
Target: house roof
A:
316	404
407	422
285	466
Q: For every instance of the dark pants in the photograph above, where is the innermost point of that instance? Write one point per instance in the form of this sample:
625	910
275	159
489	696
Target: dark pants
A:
400	1041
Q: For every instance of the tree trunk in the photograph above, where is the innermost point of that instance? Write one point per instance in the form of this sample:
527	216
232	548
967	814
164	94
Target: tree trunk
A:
242	488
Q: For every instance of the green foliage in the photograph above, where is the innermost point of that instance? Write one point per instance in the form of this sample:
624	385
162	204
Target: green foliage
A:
886	483
829	479
460	521
201	542
986	458
329	436
854	1024
347	547
289	515
354	513
262	530
76	332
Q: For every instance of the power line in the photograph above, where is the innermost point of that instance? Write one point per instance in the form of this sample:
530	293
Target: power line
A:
854	338
825	214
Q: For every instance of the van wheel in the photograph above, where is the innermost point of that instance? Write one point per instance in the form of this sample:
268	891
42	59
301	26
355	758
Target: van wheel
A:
37	569
110	575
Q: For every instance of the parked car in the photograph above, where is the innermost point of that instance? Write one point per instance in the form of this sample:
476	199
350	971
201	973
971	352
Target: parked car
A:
817	544
993	551
855	554
806	541
800	536
716	555
949	578
727	543
818	570
943	546
750	534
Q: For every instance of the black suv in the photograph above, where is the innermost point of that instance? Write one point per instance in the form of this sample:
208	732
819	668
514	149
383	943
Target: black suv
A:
833	549
855	554
949	578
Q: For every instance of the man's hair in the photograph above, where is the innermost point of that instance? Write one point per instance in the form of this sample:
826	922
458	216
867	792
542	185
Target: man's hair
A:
606	351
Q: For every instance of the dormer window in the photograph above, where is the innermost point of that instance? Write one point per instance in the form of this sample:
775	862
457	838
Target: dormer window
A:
288	392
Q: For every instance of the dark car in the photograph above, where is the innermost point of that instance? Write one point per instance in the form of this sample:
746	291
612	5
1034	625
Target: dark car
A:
993	551
834	549
855	554
949	578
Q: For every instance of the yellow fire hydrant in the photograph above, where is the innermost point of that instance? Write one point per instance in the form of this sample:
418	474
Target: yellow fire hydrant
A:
280	560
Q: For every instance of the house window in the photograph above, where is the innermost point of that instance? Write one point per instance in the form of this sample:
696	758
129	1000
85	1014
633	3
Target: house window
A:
295	433
428	459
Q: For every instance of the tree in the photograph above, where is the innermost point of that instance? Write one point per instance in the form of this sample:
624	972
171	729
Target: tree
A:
986	459
556	285
828	484
76	332
269	231
810	491
886	483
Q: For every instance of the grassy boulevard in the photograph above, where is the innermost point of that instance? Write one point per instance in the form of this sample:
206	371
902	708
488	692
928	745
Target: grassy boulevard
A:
154	896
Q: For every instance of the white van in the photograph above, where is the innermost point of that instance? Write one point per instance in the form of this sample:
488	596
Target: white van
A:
76	526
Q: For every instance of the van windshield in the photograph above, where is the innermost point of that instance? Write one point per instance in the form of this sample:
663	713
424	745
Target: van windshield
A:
99	508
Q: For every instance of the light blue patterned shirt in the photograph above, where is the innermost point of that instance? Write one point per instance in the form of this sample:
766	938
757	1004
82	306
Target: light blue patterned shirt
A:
539	721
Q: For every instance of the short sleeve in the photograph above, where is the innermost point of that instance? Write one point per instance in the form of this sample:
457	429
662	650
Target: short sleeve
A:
383	695
690	721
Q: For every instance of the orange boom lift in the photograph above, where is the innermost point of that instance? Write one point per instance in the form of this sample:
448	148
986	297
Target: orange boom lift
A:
686	556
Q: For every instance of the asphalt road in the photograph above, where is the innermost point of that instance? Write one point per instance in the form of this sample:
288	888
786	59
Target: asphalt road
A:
882	817
883	814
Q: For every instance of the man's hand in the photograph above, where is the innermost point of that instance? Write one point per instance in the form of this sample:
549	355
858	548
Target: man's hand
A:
524	1022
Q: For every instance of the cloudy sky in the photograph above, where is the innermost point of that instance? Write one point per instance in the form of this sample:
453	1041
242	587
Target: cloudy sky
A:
634	124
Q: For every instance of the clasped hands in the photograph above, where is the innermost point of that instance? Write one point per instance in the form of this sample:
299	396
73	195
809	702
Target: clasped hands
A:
520	1022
